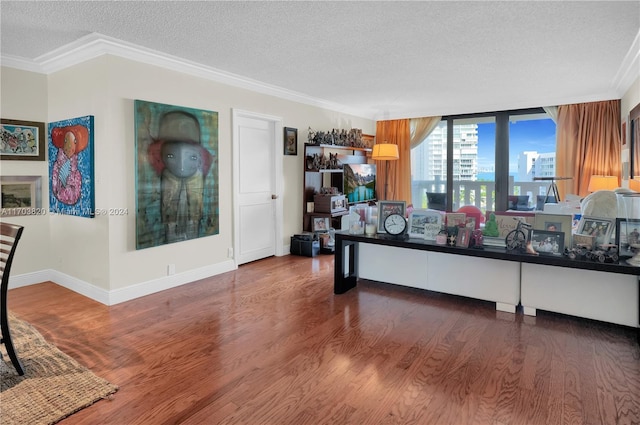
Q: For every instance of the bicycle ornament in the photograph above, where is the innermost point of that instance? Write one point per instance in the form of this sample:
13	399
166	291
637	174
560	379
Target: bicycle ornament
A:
519	239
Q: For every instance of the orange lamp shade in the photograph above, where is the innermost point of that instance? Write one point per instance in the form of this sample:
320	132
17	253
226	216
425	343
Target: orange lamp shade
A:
385	152
602	183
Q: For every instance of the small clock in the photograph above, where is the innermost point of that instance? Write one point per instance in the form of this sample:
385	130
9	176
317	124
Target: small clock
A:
395	224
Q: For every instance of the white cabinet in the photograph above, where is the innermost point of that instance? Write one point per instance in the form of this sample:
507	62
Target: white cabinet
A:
609	297
481	278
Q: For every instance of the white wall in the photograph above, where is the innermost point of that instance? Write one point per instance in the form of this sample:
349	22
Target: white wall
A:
97	256
24	97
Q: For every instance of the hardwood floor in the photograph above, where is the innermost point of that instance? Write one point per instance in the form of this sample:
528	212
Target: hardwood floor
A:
271	344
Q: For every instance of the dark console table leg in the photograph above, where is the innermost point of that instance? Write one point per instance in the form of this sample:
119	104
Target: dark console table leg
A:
341	282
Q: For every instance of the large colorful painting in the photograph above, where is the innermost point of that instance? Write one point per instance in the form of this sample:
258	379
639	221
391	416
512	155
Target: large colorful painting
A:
176	173
71	167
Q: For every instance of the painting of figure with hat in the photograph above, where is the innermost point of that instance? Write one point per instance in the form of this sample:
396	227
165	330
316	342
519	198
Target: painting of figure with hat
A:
177	191
71	185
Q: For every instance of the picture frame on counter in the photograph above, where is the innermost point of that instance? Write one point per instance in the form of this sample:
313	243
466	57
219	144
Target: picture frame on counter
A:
555	223
547	242
386	208
622	230
598	227
425	224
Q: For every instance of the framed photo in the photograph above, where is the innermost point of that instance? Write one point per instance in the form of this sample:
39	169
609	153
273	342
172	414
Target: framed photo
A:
21	195
504	222
547	242
455	219
321	224
625	230
386	208
599	228
462	239
22	140
555	223
290	141
424	224
583	240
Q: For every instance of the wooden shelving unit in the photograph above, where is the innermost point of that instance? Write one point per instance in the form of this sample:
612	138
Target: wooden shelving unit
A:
315	179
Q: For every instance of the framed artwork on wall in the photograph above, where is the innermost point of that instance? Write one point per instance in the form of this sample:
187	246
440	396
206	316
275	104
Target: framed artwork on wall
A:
22	140
290	141
21	195
71	167
176	173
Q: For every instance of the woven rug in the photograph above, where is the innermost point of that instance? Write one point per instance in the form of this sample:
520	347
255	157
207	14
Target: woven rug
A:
54	385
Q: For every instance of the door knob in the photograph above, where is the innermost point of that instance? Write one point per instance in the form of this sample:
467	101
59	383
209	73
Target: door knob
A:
274	196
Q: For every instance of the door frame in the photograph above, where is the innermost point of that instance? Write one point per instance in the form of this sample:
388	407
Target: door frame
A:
277	127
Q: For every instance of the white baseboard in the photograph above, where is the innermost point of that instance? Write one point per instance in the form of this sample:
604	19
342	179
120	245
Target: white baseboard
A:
123	294
167	282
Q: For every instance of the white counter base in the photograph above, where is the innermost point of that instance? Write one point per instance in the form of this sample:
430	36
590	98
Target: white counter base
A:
481	278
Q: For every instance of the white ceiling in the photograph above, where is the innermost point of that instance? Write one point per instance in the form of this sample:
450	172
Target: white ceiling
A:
379	60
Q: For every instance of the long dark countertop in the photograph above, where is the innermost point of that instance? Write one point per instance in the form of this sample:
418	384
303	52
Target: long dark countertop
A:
491	252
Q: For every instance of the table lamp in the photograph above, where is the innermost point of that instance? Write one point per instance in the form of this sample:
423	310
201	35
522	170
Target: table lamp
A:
602	183
385	152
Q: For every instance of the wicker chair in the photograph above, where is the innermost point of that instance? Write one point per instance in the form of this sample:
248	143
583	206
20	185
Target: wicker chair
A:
9	237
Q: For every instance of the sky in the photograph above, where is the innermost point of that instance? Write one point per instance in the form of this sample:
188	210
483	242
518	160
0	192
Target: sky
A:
532	135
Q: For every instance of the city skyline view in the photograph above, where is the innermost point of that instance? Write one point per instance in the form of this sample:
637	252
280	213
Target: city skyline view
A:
528	135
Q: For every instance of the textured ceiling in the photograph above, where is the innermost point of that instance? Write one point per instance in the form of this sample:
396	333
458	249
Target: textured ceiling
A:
382	59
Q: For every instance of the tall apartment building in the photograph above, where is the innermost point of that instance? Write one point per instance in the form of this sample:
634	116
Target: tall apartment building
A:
533	164
429	160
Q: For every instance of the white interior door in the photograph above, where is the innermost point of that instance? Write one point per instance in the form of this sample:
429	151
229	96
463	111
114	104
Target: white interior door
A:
257	177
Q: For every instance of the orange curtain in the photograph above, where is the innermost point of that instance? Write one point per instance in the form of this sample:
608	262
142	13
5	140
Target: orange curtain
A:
399	178
588	143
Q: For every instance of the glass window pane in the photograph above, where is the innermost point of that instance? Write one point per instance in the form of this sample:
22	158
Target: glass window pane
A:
474	148
429	167
532	153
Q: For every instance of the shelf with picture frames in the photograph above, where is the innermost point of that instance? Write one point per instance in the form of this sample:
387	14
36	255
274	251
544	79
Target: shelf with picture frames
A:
323	168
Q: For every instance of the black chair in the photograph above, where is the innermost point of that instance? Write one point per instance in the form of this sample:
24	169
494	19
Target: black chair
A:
9	237
437	201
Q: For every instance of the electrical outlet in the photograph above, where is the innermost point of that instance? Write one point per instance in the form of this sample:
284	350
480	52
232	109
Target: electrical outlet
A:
230	253
171	269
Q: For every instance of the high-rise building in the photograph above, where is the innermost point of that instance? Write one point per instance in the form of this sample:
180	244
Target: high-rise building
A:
533	164
429	159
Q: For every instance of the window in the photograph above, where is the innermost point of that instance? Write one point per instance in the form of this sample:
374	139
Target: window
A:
468	157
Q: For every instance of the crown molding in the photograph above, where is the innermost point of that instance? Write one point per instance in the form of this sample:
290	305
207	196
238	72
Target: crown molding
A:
94	45
629	70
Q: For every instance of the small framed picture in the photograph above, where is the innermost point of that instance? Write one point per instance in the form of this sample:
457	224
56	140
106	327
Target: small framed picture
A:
386	208
585	241
21	195
290	141
599	228
455	219
321	224
425	224
627	234
547	242
555	223
462	239
22	140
